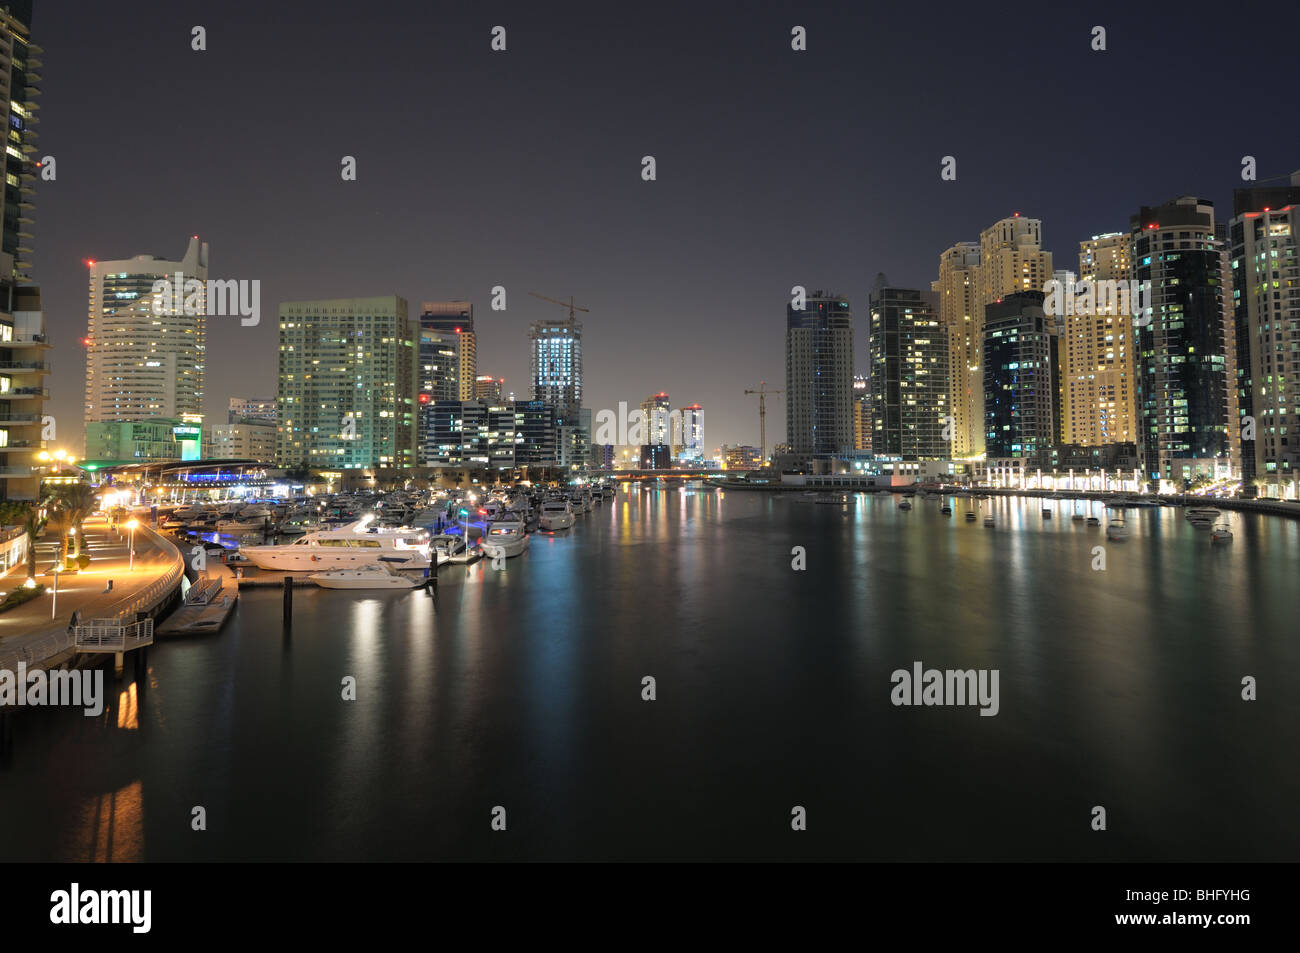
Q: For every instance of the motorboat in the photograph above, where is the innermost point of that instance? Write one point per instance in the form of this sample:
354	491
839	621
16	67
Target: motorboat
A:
453	549
835	499
946	510
1094	521
1196	513
970	516
505	538
1047	512
345	547
988	520
1117	529
556	514
1221	534
377	576
904	504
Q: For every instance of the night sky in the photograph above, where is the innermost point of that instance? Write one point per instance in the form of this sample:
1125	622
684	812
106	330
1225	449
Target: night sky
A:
523	168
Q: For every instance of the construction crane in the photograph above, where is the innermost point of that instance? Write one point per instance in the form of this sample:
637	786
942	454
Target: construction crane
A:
563	304
762	393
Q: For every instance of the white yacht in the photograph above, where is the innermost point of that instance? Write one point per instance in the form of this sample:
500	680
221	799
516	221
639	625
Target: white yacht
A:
505	537
377	576
345	547
239	525
556	514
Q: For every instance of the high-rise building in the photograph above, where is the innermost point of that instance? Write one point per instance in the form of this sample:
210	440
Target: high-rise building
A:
453	322
437	381
555	355
346	384
961	315
249	438
145	358
1020	378
909	375
657	416
23	367
252	408
488	388
1264	239
819	376
1098	356
1012	259
861	412
1183	369
742	457
688	441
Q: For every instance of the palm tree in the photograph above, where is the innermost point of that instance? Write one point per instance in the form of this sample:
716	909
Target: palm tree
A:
32	518
74	502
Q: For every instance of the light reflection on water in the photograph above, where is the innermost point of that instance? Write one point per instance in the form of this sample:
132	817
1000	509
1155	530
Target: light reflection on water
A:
522	688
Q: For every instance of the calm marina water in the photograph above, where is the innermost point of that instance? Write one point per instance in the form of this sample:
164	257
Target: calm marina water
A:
522	688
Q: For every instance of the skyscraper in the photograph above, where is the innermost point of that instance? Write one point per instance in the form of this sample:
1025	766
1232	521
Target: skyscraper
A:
1264	238
861	412
656	414
688	441
144	361
252	408
1012	258
22	320
819	376
555	354
453	322
1098	356
961	316
489	388
346	384
437	380
1183	350
1020	377
909	375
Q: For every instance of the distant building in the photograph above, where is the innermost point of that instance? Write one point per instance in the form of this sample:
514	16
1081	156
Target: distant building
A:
656	456
488	388
346	389
453	322
493	435
741	458
861	413
253	408
819	375
1020	377
688	445
145	441
961	315
249	438
657	416
555	352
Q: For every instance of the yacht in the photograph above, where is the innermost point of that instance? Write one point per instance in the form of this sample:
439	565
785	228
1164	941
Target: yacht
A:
904	504
1221	534
988	520
1047	512
556	514
239	525
1117	530
1198	513
377	576
970	516
345	547
946	510
505	537
1094	521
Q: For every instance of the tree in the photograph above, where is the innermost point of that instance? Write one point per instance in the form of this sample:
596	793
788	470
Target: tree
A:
32	518
74	502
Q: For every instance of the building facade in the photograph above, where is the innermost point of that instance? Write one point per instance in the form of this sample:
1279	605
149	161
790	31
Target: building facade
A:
819	376
253	408
961	316
1264	240
910	411
248	438
453	323
346	391
555	356
1183	369
143	360
1021	382
494	435
145	441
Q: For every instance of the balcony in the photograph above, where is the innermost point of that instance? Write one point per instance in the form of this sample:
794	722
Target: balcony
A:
16	472
25	341
24	367
10	419
27	393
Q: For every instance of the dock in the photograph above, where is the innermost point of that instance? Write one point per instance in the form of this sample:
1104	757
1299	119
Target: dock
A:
208	605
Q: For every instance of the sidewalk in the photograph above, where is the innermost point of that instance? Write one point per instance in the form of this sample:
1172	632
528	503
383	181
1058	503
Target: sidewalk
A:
85	590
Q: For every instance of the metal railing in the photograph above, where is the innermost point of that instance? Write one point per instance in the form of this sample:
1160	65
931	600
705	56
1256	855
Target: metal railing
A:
35	652
108	635
125	609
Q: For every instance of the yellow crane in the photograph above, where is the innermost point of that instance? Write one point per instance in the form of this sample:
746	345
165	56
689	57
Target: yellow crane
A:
563	304
762	393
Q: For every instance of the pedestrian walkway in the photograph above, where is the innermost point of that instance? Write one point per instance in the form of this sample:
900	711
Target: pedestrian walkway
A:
86	592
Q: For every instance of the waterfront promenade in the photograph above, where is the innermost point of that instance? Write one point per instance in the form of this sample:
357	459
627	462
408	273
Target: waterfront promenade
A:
28	630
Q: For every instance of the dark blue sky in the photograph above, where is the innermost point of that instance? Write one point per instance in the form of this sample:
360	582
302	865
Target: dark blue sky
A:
522	169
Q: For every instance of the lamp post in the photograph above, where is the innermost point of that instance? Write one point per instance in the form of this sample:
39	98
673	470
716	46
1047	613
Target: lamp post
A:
131	525
54	606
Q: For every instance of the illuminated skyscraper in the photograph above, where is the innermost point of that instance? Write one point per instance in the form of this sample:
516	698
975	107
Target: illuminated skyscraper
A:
453	322
961	316
555	351
819	376
909	375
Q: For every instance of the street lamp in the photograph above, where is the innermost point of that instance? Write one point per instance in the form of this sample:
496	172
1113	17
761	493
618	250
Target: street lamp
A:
131	525
54	606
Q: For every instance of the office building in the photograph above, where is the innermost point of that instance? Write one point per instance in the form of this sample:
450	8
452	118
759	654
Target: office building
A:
555	357
346	391
489	388
249	438
688	435
961	316
453	323
497	435
252	408
145	441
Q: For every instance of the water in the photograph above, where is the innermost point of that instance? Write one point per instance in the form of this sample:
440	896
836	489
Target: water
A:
522	688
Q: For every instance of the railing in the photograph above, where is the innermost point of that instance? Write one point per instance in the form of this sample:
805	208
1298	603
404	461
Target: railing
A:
126	609
107	635
34	652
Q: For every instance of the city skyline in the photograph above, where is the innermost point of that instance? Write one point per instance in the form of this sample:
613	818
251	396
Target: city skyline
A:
730	259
